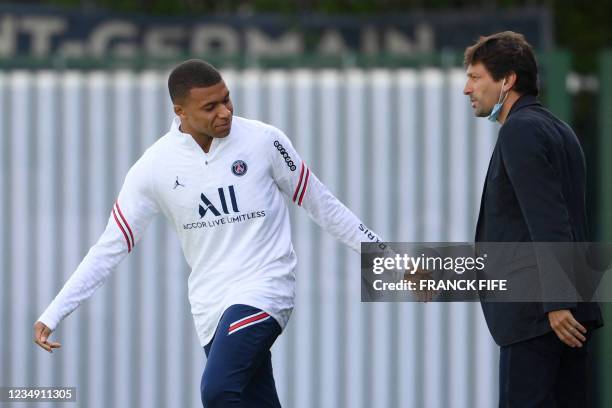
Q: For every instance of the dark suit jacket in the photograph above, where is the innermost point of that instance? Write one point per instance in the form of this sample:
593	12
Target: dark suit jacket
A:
534	192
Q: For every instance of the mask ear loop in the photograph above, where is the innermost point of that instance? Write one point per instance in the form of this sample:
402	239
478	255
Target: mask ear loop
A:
502	100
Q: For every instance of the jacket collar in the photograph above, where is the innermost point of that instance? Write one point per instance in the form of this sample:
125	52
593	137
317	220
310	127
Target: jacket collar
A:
523	102
187	140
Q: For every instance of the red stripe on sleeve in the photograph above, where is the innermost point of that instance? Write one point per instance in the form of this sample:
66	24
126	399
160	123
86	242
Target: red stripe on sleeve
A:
297	189
305	185
122	230
125	221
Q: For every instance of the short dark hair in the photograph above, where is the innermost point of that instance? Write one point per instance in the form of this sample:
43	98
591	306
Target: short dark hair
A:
504	53
193	73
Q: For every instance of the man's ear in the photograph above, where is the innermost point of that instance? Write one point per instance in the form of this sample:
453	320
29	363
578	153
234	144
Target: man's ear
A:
510	81
180	112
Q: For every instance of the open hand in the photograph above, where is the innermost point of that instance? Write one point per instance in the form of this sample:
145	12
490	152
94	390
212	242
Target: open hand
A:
41	337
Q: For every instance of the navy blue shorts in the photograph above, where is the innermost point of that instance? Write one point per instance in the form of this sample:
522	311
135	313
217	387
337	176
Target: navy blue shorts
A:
238	371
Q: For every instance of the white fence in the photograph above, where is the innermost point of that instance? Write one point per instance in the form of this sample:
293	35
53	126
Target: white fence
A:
400	148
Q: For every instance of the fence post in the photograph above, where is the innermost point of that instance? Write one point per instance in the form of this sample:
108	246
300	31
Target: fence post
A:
605	213
556	67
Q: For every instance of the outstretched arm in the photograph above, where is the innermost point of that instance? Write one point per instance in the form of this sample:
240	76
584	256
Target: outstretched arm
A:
298	182
131	214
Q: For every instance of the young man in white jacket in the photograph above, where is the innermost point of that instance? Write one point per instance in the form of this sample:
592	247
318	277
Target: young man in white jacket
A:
218	179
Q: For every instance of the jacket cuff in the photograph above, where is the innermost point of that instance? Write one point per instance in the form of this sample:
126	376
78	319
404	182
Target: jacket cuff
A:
553	306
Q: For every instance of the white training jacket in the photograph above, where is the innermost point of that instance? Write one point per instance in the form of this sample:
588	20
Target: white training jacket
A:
228	211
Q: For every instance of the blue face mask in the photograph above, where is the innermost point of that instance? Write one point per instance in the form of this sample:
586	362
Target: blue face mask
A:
498	106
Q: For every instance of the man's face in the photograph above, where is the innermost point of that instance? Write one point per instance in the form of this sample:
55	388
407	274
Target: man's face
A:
207	111
482	89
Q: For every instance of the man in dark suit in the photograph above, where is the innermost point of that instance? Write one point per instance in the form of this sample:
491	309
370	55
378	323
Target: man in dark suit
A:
534	192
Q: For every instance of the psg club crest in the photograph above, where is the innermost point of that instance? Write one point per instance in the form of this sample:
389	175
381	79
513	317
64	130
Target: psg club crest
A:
239	168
